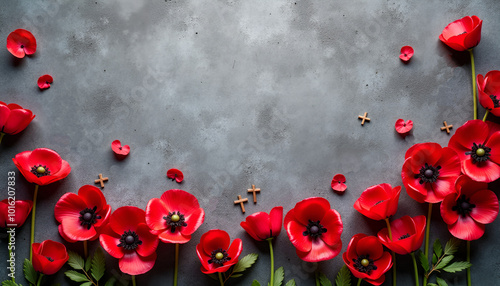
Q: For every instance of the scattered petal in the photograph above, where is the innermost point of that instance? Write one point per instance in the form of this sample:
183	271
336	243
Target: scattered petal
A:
20	43
44	81
120	151
406	53
175	174
403	127
338	183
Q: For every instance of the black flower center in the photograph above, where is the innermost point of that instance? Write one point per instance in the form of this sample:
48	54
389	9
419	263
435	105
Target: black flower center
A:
364	264
428	174
22	46
40	170
314	229
49	258
129	240
88	217
404	236
463	206
219	257
173	177
174	220
496	101
479	153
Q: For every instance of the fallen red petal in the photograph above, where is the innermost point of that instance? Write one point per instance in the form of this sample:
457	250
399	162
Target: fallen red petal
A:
20	43
175	174
406	53
403	127
120	151
338	183
44	81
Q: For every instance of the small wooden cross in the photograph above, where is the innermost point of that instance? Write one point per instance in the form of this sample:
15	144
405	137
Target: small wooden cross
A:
254	191
101	180
364	118
446	127
241	201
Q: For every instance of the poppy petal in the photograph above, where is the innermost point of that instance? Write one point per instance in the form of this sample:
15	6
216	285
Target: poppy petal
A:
72	228
370	246
44	81
46	157
482	172
276	220
18	120
126	218
149	241
156	210
134	264
313	209
466	228
320	251
69	206
175	174
447	213
110	244
176	237
494	144
214	239
194	220
486	209
333	223
92	196
179	200
295	232
259	224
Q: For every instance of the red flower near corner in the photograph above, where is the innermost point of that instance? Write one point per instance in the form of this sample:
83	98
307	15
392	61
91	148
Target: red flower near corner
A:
429	172
407	234
44	81
338	183
42	166
215	253
314	229
378	202
49	256
174	216
488	88
120	151
406	53
261	226
82	216
403	127
128	238
366	258
22	210
14	118
176	175
21	42
462	34
468	210
478	150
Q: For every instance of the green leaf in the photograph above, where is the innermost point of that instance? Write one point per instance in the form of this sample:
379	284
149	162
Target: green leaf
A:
434	259
86	284
255	283
10	283
423	261
457	266
29	272
343	277
323	280
98	264
451	246
236	275
441	282
111	282
432	284
279	275
445	261
290	282
438	249
76	261
245	262
76	276
88	263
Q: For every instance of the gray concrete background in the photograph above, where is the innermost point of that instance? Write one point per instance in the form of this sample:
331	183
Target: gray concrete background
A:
235	93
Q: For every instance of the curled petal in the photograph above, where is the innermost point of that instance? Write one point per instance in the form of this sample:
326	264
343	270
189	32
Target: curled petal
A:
44	81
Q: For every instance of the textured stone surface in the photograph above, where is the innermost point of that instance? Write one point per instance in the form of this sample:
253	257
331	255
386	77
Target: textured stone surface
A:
235	93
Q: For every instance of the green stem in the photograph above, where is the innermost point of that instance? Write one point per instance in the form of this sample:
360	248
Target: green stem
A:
316	277
415	268
1	136
220	279
469	282
427	231
133	280
33	211
39	279
486	115
474	97
85	249
425	280
176	265
359	281
10	256
270	240
393	254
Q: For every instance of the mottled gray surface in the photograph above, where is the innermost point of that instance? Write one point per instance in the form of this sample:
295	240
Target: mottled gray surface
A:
236	93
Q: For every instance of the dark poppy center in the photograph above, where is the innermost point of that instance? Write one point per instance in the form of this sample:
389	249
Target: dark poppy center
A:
40	170
364	264
463	206
175	219
428	174
129	240
479	153
22	46
404	236
314	229
89	217
49	258
496	101
219	256
173	177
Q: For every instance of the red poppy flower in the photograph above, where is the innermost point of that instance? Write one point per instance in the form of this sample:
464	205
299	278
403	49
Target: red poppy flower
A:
462	34
175	216
128	238
262	226
49	256
120	151
469	209
44	81
338	183
314	229
407	234
20	210
21	42
42	166
378	202
176	175
406	53
366	258
215	253
14	118
403	127
479	152
488	87
82	216
429	172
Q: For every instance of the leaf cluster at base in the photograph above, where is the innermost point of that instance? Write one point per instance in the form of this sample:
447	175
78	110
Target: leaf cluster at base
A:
88	271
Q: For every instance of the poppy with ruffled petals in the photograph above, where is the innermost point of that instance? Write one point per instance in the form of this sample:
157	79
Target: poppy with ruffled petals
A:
429	172
175	216
378	202
261	226
338	183
21	211
467	211
13	118
175	175
314	229
82	216
49	256
462	34
403	127
488	88
44	81
406	53
215	253
42	166
128	238
20	43
366	258
407	234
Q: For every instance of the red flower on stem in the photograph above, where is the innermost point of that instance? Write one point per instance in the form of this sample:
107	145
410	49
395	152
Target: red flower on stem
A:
366	258
215	253
44	81
488	87
406	53
261	226
462	34
19	208
338	183
176	175
314	229
378	202
478	150
49	256
21	42
174	216
429	172
403	127
468	210
407	234
120	151
13	118
42	166
82	216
